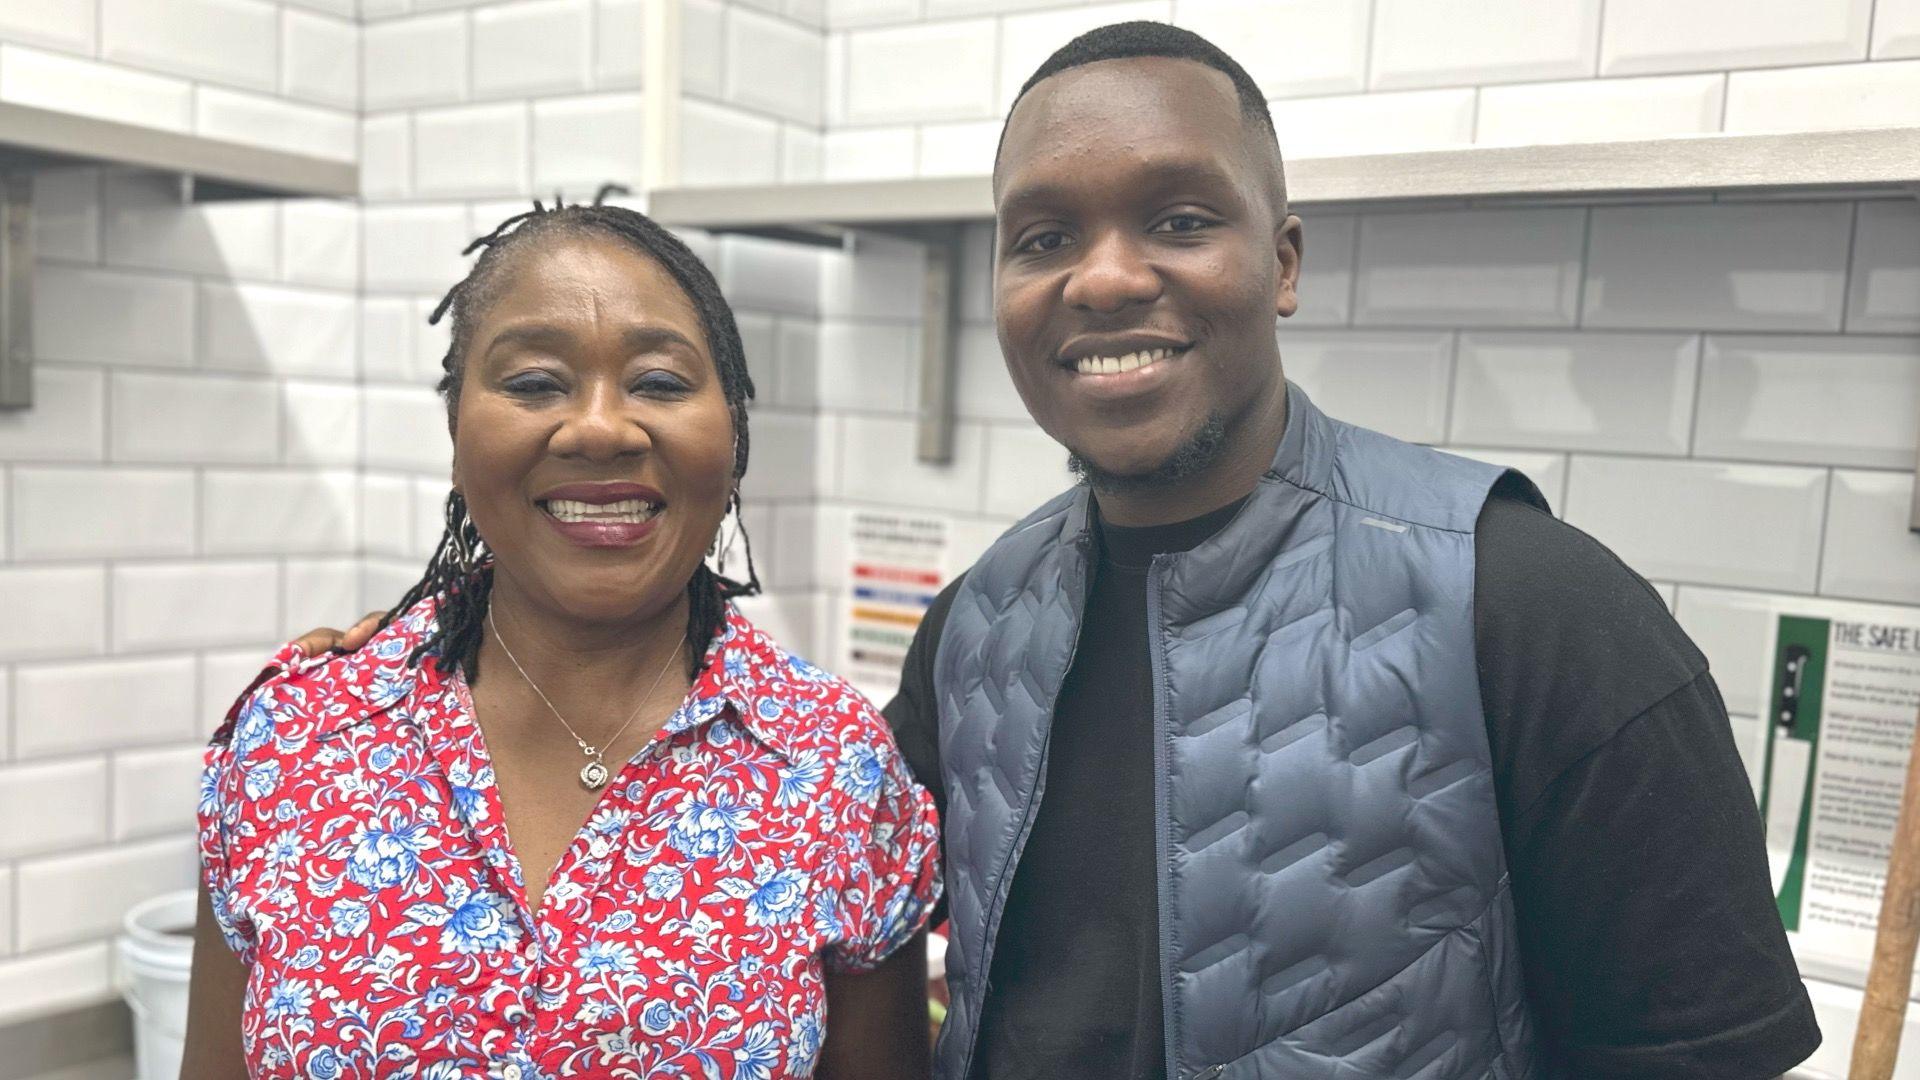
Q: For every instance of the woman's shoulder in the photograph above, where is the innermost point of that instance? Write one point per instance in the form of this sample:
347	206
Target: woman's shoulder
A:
298	699
809	705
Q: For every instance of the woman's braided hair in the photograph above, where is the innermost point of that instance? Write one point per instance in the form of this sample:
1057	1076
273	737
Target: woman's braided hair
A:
459	576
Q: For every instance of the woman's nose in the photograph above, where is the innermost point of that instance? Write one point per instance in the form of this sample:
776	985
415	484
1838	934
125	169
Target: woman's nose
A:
602	424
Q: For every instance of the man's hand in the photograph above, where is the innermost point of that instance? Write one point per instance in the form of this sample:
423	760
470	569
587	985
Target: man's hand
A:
327	639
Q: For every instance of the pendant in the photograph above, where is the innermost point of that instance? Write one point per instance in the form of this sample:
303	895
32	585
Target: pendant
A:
593	775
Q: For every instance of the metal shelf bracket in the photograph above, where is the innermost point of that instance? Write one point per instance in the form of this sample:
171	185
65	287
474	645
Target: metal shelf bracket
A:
16	290
1913	508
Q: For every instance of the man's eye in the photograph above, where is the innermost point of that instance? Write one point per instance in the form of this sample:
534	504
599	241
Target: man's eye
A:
1051	240
1184	223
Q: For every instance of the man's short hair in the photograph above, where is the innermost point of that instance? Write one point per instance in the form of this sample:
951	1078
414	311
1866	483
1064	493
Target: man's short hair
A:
1130	40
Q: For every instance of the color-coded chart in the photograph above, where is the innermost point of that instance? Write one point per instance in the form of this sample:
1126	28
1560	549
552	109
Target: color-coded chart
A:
896	566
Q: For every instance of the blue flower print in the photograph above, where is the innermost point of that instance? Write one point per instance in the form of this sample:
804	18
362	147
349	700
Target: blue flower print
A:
325	1065
860	772
306	957
619	922
439	998
708	830
392	648
254	726
800	779
385	858
480	923
803	1045
759	1053
285	849
663	882
209	793
262	779
777	898
657	1018
442	1070
285	810
736	665
290	999
826	918
469	802
804	671
383	757
606	958
350	918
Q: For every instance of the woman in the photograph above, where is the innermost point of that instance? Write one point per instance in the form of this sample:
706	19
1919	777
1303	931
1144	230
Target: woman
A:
648	842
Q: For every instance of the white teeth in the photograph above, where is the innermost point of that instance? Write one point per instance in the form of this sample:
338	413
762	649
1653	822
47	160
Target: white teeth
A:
624	512
1114	365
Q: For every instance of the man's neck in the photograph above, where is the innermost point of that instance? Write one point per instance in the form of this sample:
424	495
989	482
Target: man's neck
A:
1248	453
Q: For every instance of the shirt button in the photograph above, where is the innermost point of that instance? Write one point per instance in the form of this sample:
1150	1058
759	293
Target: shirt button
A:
511	1072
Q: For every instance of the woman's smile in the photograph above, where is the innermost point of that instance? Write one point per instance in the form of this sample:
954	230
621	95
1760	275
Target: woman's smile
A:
614	514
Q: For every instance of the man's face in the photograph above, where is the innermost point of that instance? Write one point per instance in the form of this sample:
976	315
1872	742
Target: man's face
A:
1139	262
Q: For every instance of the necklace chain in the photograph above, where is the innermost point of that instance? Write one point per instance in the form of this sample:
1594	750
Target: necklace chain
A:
594	773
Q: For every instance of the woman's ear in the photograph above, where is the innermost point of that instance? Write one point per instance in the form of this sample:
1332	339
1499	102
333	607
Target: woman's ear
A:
1289	249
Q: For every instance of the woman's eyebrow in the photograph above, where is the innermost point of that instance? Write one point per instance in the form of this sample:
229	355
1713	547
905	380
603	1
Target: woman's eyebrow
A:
656	338
536	336
559	339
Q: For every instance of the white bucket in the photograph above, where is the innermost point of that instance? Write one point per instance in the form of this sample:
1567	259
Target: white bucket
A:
156	957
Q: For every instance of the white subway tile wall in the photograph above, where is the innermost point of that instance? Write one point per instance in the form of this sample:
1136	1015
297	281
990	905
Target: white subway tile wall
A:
1453	42
247	385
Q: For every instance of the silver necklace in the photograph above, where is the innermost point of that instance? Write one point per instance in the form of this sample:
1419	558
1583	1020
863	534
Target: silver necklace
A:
594	774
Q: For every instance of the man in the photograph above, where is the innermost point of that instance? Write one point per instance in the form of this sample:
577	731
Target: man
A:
1279	748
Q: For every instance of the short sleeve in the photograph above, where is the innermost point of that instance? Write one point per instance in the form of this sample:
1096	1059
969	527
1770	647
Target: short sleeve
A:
224	806
893	871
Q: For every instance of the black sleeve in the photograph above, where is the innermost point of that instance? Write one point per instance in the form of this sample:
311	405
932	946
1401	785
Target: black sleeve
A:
1649	937
914	716
1648	931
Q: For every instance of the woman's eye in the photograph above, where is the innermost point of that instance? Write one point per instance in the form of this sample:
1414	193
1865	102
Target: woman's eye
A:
532	382
660	382
1051	240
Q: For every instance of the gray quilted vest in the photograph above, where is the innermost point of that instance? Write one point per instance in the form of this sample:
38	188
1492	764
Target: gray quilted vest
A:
1333	889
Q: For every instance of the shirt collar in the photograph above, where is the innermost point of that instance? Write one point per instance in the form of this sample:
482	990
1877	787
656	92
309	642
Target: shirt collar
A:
743	668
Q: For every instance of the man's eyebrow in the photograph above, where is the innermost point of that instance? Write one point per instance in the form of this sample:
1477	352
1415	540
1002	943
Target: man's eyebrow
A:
1155	178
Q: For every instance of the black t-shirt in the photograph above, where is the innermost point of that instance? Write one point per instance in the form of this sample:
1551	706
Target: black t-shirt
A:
1648	932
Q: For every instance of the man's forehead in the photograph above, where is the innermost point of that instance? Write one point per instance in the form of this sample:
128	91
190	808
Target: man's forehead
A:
1150	108
1145	95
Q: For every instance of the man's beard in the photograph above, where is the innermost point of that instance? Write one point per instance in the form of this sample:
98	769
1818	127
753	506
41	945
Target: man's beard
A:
1194	456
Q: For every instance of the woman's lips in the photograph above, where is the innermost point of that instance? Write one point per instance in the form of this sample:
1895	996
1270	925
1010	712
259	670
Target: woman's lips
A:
594	522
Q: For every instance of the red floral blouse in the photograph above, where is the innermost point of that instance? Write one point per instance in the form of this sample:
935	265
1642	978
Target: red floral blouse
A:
353	845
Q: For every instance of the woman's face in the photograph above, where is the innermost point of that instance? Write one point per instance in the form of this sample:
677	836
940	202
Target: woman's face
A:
592	440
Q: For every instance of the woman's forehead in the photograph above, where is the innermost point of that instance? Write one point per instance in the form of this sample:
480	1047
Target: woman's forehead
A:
587	279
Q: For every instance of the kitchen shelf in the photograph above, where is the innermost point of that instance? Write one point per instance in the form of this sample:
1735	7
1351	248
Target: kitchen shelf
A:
1851	164
33	139
1857	161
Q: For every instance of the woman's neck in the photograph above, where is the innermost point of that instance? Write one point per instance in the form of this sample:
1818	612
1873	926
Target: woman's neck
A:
583	662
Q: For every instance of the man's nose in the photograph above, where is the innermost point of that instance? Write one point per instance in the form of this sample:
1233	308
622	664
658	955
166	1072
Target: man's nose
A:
1111	274
601	425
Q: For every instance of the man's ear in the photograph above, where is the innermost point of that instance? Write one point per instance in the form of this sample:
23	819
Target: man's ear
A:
1289	248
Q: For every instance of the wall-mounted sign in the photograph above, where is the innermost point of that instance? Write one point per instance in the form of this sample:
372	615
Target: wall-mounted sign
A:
896	566
1843	688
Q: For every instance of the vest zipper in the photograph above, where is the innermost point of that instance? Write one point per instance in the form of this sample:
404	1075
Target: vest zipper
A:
991	931
1162	815
1211	1072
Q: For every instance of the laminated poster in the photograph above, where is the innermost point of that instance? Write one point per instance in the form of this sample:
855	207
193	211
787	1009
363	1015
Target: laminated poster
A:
897	564
1844	688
